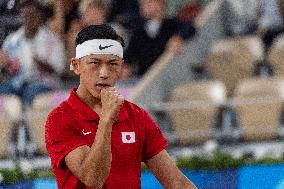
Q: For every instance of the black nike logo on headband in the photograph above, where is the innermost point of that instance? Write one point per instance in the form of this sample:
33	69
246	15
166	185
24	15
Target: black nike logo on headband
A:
105	47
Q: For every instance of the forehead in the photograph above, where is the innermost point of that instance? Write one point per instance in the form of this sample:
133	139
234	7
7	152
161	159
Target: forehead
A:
29	8
102	57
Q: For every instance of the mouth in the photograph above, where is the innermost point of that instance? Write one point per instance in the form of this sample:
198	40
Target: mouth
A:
101	86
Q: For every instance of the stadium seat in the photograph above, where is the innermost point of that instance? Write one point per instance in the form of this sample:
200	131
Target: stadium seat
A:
258	102
36	116
233	59
276	55
192	109
10	111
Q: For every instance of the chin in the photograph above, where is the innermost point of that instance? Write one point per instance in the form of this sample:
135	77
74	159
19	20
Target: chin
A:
96	94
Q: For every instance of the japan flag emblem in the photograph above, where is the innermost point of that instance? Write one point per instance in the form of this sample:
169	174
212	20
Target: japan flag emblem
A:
128	137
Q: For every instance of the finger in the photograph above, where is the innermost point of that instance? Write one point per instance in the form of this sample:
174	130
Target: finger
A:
109	88
120	99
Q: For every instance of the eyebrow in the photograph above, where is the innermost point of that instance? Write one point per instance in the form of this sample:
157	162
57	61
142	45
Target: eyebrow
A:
98	59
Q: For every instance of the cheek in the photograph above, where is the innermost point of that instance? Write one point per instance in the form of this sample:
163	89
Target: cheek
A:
116	73
88	77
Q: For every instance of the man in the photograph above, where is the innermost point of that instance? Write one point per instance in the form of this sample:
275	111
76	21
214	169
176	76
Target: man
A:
152	34
95	138
37	51
259	17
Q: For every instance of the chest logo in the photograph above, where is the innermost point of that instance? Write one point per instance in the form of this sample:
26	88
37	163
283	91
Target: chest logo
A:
86	133
128	137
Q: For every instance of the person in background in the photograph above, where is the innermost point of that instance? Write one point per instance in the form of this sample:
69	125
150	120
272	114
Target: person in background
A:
152	34
90	12
258	17
94	12
124	11
34	54
65	14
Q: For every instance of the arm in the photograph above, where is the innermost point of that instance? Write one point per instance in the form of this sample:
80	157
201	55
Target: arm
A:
4	59
183	32
43	65
92	165
56	23
167	172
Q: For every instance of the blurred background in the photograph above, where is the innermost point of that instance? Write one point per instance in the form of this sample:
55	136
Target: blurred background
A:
210	72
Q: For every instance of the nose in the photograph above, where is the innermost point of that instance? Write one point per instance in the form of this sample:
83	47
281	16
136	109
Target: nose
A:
104	72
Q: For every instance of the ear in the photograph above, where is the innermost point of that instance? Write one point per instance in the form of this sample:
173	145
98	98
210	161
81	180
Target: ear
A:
74	65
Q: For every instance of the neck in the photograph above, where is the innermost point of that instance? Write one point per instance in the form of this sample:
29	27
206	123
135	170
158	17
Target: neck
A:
30	33
93	102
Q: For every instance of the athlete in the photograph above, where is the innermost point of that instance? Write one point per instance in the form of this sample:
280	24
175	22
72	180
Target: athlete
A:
95	138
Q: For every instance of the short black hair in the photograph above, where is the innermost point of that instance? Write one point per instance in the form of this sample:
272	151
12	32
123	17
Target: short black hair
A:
103	31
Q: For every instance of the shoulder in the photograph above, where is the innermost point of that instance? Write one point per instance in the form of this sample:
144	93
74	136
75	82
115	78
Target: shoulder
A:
59	116
171	21
46	33
14	38
138	114
133	108
136	25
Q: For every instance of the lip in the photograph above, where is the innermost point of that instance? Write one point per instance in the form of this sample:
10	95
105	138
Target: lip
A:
101	86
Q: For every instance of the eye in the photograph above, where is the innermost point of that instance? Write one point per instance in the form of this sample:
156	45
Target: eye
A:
113	63
94	62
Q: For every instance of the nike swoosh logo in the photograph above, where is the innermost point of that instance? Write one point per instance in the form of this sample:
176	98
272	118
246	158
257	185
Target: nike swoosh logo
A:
105	47
86	133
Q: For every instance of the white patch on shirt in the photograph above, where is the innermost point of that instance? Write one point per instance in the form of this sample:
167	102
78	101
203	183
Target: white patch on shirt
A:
128	137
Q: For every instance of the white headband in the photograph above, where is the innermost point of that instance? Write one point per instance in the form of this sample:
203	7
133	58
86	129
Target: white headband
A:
99	46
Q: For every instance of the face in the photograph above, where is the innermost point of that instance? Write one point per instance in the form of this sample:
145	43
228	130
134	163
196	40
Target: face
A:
151	9
97	72
93	15
32	18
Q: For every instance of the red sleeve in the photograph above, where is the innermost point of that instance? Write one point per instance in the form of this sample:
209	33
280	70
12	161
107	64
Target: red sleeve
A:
61	137
154	142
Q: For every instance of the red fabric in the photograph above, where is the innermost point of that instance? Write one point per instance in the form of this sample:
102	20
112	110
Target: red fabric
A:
135	138
189	12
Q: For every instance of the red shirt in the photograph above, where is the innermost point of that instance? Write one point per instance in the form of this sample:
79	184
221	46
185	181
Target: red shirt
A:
135	139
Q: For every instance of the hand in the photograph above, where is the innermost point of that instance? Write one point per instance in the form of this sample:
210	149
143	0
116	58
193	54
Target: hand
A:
4	59
43	66
111	103
175	44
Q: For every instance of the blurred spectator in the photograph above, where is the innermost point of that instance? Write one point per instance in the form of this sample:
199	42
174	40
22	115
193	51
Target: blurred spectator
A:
152	34
32	56
92	12
124	11
7	7
261	17
65	14
189	11
9	18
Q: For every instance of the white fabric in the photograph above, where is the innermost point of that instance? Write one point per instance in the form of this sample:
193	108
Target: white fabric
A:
45	46
99	46
245	13
153	27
